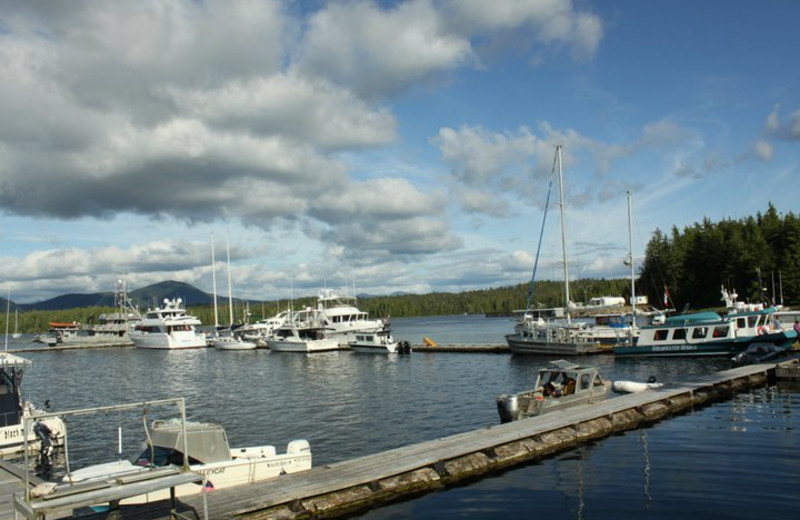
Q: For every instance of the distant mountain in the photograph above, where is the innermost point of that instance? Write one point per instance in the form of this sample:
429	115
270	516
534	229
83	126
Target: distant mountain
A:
145	297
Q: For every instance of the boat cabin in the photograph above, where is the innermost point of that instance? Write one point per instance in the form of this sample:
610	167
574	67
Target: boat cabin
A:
11	368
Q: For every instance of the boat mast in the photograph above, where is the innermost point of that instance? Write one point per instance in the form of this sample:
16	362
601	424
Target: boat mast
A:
563	233
630	261
230	292
214	282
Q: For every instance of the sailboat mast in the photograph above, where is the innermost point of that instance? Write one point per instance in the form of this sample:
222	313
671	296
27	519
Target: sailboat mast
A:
563	233
214	282
230	292
630	252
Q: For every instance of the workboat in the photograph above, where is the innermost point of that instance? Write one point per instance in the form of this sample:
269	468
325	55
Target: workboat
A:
303	332
208	453
380	342
41	434
744	327
168	327
559	386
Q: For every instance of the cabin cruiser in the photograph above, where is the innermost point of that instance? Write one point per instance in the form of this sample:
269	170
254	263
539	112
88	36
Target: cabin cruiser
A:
559	386
260	331
208	454
41	434
380	342
303	332
168	327
342	319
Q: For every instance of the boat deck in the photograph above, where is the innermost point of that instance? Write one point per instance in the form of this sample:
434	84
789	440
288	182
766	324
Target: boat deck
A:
349	486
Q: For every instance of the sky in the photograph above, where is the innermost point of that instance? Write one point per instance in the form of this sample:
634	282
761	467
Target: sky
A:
379	146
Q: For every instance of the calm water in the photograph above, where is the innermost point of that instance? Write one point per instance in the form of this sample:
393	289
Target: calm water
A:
729	460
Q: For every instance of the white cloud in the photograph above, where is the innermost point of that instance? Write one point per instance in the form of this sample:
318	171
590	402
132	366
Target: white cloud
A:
763	150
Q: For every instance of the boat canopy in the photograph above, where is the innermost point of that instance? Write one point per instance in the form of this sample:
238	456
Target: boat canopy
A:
696	317
207	442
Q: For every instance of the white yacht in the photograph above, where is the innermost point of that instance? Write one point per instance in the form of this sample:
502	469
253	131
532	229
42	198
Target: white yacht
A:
303	332
168	327
208	454
261	330
342	319
41	434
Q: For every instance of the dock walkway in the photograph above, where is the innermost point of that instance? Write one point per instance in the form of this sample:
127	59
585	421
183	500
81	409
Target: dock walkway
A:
347	487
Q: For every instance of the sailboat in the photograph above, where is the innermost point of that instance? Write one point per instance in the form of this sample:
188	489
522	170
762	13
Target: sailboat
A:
534	335
227	341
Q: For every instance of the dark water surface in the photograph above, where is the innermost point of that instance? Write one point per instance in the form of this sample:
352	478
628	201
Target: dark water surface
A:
734	459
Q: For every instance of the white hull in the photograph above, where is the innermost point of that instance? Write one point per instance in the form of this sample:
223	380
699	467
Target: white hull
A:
227	343
302	345
164	341
250	465
389	348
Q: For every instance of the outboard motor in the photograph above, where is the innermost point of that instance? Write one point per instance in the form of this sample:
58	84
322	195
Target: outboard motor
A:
507	407
46	451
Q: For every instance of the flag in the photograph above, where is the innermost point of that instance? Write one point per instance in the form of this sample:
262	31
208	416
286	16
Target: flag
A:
666	296
208	486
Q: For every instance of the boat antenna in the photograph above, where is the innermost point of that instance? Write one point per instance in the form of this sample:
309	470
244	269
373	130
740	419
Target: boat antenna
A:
541	234
563	233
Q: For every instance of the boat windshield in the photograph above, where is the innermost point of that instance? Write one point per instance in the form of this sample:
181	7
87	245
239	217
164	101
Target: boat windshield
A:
159	457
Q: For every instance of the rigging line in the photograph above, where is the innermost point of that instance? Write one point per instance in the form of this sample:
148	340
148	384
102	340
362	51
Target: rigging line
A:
541	233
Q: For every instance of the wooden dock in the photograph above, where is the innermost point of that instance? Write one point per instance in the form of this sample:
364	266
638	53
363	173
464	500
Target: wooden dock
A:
347	487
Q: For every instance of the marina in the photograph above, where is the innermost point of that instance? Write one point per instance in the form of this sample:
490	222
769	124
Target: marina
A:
432	396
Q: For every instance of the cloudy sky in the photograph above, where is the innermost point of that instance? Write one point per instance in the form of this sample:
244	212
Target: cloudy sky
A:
386	145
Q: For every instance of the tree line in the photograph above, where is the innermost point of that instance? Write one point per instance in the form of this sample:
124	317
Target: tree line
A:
759	257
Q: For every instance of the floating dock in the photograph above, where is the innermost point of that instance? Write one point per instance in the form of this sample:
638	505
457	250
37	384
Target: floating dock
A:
348	487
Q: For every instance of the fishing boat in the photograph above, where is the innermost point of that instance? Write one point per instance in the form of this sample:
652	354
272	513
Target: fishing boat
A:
208	453
559	386
380	342
41	434
168	327
303	332
710	333
342	319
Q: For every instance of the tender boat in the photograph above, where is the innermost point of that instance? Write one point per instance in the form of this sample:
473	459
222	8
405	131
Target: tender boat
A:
209	454
342	319
260	331
302	332
710	333
630	387
380	342
43	434
168	327
559	386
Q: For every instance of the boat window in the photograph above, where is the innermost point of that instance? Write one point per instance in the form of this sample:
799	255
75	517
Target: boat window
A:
752	321
721	332
661	335
679	334
741	323
586	379
699	332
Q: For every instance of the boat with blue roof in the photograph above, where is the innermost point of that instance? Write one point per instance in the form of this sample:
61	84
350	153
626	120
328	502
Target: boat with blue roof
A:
711	333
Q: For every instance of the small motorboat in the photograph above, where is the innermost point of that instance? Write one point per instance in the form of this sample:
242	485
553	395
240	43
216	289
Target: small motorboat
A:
380	342
758	353
208	454
559	386
630	387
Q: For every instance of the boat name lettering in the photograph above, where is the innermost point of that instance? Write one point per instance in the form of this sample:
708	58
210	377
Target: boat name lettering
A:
674	348
12	434
211	471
